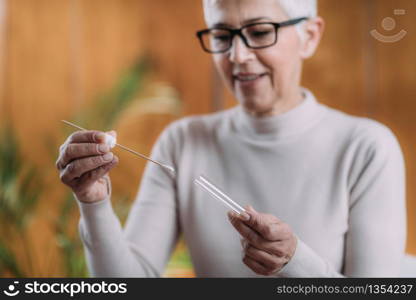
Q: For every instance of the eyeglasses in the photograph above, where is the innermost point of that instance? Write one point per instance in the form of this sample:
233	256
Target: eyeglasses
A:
255	35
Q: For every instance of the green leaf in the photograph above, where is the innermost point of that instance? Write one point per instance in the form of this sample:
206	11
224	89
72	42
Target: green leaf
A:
8	261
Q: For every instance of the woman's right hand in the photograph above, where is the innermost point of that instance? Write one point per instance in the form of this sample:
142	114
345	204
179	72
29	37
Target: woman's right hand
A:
84	162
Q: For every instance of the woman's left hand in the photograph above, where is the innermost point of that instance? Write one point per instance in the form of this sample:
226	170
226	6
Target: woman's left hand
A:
268	243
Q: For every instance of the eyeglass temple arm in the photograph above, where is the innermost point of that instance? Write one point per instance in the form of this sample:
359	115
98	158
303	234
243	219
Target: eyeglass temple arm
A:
293	22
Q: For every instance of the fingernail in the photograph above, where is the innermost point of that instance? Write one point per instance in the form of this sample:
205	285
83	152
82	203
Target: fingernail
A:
99	137
103	148
108	156
244	216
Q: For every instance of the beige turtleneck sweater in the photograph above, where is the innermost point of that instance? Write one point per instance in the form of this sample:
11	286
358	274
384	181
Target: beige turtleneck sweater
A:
337	180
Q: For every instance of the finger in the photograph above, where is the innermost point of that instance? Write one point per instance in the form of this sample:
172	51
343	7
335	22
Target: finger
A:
87	136
244	243
250	236
79	137
242	216
265	224
96	174
62	148
77	151
255	266
78	167
271	262
245	231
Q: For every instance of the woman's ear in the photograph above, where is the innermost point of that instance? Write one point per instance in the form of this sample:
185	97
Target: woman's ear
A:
314	30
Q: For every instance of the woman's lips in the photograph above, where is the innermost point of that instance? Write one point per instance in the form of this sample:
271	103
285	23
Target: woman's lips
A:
248	79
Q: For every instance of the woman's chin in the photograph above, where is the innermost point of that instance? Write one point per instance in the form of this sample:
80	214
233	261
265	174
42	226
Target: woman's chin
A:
257	108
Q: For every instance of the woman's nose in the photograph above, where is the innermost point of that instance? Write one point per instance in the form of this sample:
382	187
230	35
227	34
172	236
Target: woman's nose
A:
239	52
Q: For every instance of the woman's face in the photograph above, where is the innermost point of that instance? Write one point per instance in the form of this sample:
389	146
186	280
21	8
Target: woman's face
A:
265	81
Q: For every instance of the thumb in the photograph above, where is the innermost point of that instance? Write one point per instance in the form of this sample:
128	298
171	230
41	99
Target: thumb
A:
251	211
250	208
256	221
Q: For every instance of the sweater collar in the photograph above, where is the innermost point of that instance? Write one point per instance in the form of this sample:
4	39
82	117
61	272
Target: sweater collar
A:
289	123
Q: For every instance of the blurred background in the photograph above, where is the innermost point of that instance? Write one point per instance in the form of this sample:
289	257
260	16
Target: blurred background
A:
135	66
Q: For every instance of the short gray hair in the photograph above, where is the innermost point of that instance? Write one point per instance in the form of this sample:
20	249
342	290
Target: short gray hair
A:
298	9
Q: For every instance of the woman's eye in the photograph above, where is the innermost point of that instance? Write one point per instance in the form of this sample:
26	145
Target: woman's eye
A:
260	33
222	38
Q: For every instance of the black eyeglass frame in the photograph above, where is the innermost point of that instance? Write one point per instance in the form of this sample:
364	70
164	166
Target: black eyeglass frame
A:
239	32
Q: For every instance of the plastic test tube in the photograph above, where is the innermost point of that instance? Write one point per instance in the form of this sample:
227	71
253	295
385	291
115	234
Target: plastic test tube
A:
218	194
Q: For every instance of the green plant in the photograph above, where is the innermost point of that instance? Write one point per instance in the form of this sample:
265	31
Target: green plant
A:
20	188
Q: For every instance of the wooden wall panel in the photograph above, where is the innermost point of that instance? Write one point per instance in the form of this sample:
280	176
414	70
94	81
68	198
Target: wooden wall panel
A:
37	76
60	54
3	23
336	72
172	44
37	91
109	42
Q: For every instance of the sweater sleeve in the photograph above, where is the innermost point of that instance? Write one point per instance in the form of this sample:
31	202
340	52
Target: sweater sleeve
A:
375	240
143	247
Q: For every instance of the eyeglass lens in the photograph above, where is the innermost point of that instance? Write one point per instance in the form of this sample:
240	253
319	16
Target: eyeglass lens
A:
256	36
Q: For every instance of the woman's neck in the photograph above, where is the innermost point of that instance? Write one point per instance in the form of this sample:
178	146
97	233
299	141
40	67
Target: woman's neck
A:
293	121
283	104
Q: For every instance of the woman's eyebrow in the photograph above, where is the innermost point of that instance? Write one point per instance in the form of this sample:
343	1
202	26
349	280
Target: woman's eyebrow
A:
253	20
216	25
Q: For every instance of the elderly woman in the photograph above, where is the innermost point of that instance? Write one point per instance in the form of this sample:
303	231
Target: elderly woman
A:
323	191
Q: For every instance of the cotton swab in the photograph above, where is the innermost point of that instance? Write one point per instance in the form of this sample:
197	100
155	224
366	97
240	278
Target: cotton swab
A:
218	194
113	143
